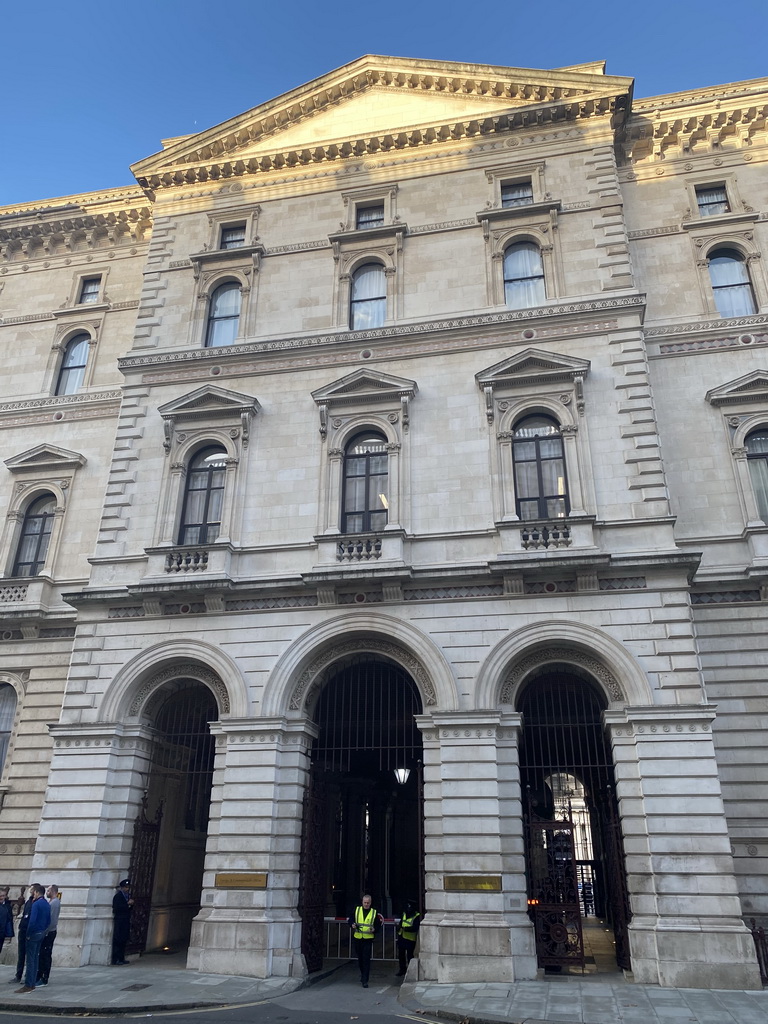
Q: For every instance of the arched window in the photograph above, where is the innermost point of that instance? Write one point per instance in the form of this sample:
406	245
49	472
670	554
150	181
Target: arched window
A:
73	365
541	489
35	536
523	276
7	715
365	503
731	285
223	315
757	459
368	297
203	497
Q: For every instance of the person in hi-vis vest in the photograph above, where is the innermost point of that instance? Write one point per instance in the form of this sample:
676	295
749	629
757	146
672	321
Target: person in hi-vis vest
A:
407	930
365	923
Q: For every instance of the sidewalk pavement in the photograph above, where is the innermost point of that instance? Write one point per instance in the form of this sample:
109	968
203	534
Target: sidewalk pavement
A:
155	983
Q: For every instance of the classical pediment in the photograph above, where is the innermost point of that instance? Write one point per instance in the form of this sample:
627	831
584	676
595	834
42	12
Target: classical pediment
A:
45	457
365	386
207	401
377	104
532	366
753	387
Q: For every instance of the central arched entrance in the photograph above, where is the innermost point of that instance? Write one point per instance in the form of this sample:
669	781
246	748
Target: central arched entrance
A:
172	829
574	858
362	826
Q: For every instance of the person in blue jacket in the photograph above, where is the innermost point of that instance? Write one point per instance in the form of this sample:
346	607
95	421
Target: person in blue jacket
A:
37	926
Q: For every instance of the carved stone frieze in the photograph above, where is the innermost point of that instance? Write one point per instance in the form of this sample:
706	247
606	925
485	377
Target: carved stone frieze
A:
316	674
147	699
568	655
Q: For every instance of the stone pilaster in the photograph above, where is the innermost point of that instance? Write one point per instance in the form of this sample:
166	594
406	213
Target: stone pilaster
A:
97	780
686	929
475	926
259	779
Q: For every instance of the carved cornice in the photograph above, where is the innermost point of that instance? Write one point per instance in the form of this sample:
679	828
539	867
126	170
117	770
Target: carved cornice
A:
449	324
676	125
505	98
72	229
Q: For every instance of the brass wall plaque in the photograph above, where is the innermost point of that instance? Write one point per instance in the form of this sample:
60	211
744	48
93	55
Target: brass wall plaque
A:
241	880
472	883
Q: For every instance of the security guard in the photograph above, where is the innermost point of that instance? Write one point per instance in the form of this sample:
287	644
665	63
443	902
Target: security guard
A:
407	930
365	922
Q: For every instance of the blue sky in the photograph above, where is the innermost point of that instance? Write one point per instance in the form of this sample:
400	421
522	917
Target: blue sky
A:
90	87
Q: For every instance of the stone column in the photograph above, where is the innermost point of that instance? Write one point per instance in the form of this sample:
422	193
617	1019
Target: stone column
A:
475	926
95	788
686	929
260	774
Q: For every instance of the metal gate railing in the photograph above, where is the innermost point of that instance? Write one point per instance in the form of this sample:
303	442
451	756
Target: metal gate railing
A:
338	940
761	948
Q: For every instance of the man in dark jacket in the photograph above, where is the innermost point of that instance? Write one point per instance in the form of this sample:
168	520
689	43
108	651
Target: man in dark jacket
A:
6	916
37	925
122	905
21	952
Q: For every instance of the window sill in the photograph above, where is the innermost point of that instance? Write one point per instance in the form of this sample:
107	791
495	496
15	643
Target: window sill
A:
512	213
358	235
720	220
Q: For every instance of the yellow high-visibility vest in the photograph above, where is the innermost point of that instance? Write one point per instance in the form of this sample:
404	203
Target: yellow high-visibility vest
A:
364	922
406	929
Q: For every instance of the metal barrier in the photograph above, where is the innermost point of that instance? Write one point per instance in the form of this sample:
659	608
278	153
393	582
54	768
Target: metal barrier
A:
761	948
338	940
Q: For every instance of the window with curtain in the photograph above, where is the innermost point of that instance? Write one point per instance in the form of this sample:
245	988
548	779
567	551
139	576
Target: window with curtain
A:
89	290
370	216
712	200
541	488
35	536
233	237
73	364
731	285
368	297
523	276
203	497
223	315
757	459
518	193
7	716
365	501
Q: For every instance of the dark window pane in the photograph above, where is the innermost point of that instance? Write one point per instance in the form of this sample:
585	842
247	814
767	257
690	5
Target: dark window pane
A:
233	237
712	200
203	499
365	501
518	194
35	537
731	285
368	298
89	290
370	216
539	469
223	315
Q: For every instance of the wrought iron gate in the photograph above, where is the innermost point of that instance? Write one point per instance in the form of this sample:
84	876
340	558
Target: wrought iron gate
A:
146	834
312	891
553	892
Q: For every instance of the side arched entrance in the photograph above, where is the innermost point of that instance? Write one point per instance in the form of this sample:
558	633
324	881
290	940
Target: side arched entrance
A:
171	829
362	824
577	887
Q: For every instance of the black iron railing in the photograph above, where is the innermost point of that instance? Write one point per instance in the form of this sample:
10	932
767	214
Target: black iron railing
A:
761	948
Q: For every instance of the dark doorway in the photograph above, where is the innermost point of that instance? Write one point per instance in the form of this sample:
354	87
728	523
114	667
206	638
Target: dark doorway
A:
363	808
180	787
575	859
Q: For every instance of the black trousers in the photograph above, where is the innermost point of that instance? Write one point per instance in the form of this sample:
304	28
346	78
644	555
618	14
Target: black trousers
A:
405	948
21	940
120	938
364	951
46	956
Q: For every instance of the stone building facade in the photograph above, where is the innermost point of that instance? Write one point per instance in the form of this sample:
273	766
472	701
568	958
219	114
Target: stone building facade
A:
429	386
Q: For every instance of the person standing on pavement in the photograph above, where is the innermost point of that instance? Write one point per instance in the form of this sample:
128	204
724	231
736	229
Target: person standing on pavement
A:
37	926
6	916
21	950
46	949
365	922
122	906
407	931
